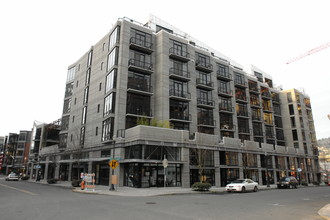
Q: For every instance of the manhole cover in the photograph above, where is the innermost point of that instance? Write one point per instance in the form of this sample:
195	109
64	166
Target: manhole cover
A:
150	203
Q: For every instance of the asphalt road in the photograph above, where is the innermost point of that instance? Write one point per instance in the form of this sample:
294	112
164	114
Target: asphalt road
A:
31	201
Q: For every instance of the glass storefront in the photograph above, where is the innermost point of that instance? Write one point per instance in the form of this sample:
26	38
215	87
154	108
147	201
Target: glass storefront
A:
143	175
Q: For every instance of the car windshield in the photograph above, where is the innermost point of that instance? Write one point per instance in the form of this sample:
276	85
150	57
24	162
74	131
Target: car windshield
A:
285	179
238	181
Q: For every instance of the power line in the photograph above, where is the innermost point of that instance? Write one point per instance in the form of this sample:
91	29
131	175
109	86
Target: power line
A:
315	50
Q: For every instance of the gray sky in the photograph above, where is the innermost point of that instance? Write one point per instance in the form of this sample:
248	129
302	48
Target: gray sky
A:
40	38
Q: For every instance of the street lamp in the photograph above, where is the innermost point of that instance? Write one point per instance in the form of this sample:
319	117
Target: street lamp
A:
267	176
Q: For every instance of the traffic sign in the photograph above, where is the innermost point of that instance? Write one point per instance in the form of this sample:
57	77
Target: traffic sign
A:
165	163
113	164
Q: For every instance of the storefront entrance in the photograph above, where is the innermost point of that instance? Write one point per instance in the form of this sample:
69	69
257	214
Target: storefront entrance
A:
142	175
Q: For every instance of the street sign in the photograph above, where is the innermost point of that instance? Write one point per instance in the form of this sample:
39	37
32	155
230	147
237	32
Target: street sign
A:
299	169
165	163
113	164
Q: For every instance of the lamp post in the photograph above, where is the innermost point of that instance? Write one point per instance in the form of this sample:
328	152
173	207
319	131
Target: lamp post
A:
267	177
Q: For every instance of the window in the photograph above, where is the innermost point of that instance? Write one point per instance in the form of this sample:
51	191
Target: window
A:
98	108
82	136
84	115
88	76
179	110
205	116
203	60
294	135
89	61
107	129
243	125
178	48
291	110
224	87
179	68
277	109
239	78
254	100
65	123
179	88
141	38
259	76
109	104
67	106
268	118
114	37
141	60
223	70
110	82
289	96
204	97
71	74
293	122
240	94
86	95
68	89
112	58
242	110
225	104
100	86
96	131
138	104
138	81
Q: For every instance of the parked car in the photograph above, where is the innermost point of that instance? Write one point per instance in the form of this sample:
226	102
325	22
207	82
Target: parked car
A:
12	176
242	185
287	182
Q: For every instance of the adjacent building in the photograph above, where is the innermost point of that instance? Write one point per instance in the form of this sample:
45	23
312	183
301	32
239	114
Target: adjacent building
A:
146	92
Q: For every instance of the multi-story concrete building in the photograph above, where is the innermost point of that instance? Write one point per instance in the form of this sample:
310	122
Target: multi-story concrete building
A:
146	92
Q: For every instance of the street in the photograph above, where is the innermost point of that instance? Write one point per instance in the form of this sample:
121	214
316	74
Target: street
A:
31	201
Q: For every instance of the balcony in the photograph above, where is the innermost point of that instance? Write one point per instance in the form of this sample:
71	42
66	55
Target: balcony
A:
226	108
244	130
179	55
140	45
204	84
180	95
221	74
267	109
180	116
142	89
225	92
206	122
258	133
242	113
241	98
240	83
256	117
227	126
139	66
205	67
138	111
266	95
205	103
179	74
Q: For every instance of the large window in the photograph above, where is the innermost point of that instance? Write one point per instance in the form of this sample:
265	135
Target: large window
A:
179	88
228	158
89	60
204	97
141	38
84	115
179	110
138	81
67	106
107	129
138	104
110	82
112	58
71	74
203	60
86	95
114	37
152	152
225	104
68	89
109	104
239	78
201	157
178	48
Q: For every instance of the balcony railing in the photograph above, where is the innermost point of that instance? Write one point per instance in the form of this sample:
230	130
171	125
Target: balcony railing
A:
226	107
139	87
258	133
141	45
242	113
266	95
206	67
225	91
180	116
204	83
206	122
227	126
244	130
179	73
181	94
240	83
179	54
138	110
241	98
140	66
204	102
221	74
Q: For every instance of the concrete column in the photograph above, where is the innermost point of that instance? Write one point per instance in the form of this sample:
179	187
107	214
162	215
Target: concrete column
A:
240	164
217	169
70	172
90	166
185	172
46	170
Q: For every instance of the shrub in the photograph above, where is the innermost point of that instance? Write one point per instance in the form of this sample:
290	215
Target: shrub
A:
25	177
201	186
316	183
51	181
75	183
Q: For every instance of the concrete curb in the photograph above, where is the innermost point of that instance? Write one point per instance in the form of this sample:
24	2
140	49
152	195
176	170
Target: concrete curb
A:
325	212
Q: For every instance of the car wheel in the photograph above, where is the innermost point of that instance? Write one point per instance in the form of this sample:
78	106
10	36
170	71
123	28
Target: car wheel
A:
295	186
243	189
255	189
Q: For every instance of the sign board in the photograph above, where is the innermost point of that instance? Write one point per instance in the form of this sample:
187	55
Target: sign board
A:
299	169
114	179
113	164
165	163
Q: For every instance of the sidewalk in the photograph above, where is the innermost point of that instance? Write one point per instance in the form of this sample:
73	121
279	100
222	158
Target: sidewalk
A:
159	191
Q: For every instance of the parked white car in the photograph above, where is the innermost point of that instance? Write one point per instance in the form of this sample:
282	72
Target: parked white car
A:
12	176
242	185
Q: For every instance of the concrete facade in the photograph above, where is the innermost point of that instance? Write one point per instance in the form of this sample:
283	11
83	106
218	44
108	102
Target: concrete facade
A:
239	120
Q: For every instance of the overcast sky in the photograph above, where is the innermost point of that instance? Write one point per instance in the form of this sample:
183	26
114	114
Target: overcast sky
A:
40	38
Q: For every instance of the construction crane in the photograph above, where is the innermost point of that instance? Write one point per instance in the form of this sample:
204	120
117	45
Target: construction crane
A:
317	49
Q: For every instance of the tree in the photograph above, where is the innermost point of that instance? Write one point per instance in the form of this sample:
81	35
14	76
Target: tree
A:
198	157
